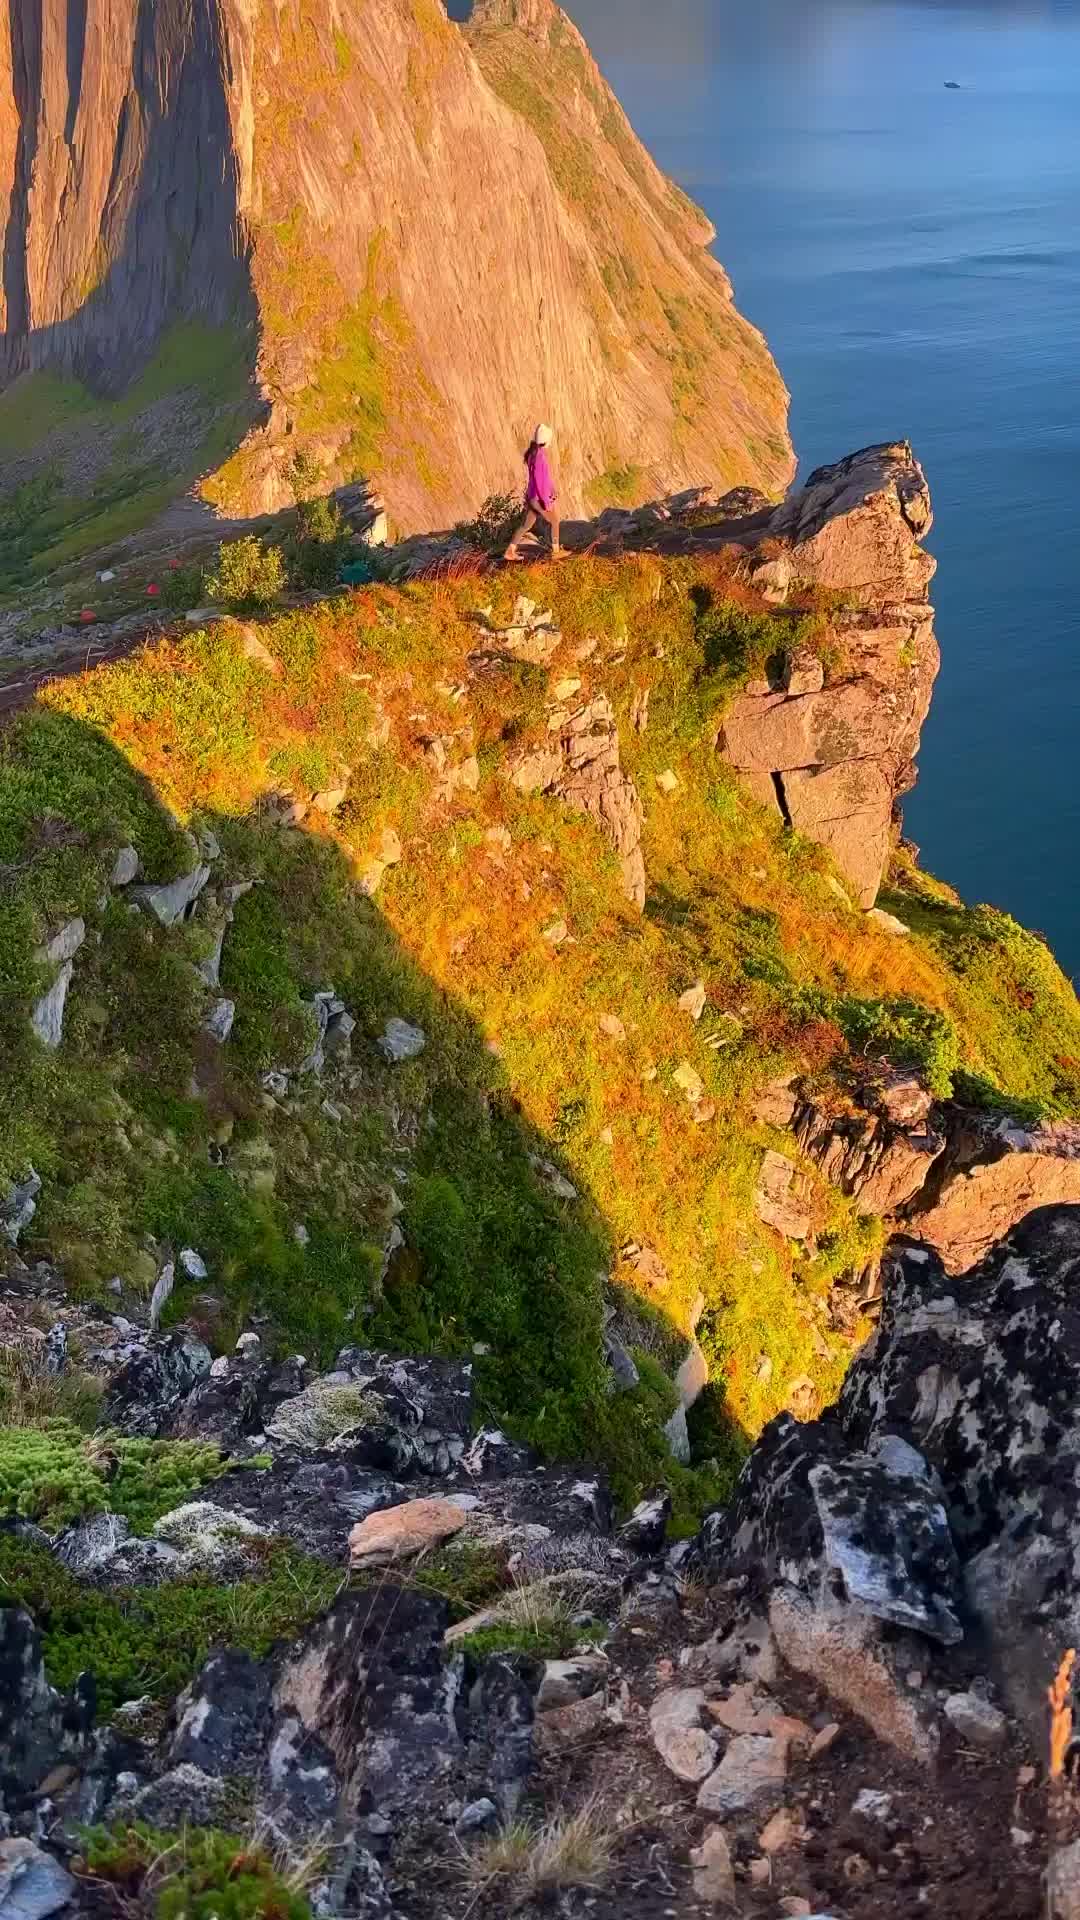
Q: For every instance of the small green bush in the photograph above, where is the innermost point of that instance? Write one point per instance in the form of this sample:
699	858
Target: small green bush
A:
153	1476
183	587
46	1476
494	524
904	1033
199	1874
554	1639
248	575
466	1574
55	1475
320	546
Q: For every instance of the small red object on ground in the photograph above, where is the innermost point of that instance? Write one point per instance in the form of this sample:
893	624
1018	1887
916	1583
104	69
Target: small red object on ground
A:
87	614
153	587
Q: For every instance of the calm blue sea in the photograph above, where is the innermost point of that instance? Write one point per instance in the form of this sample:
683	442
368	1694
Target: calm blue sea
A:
913	255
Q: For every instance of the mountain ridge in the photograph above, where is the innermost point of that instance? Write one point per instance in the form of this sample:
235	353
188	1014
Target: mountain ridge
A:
344	192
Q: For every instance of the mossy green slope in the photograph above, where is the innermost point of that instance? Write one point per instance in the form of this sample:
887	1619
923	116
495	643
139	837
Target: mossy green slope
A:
566	1052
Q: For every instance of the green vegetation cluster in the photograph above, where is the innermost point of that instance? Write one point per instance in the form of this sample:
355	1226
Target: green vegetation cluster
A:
153	1640
55	1474
200	1874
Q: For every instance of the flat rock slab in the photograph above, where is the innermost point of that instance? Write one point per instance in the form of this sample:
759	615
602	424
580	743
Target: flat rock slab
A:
398	1533
32	1883
688	1752
750	1779
781	1196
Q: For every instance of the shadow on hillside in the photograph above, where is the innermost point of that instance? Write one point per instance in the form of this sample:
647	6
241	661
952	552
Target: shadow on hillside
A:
432	1213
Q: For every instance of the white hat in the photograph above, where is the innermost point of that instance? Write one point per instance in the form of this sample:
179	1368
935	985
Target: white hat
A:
543	436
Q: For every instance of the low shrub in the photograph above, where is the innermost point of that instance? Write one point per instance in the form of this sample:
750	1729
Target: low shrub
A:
553	1639
183	587
248	576
54	1474
320	545
904	1033
493	526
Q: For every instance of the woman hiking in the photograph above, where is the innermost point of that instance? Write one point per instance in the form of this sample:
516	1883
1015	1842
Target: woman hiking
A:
539	494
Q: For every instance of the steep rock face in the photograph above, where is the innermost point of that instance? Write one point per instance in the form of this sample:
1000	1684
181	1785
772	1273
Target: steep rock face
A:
348	179
993	1172
834	752
119	176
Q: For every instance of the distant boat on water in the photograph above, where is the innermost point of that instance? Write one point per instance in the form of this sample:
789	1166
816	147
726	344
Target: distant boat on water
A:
953	86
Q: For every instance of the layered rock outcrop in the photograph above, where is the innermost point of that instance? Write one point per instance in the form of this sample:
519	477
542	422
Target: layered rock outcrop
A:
828	740
340	187
952	1176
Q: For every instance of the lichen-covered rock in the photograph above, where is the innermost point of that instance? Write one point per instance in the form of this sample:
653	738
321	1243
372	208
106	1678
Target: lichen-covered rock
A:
370	1681
32	1884
983	1375
400	1041
942	1487
428	1399
312	1502
866	1528
175	900
147	1393
18	1206
222	1719
38	1726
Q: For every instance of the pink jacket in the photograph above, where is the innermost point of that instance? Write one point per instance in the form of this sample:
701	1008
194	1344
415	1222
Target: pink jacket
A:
540	491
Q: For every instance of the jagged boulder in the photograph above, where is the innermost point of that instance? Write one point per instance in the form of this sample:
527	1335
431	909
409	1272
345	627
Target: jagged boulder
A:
958	1179
939	1492
857	525
878	1145
992	1172
38	1725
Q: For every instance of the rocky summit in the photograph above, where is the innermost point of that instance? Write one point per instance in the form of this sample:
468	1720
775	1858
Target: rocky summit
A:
538	1245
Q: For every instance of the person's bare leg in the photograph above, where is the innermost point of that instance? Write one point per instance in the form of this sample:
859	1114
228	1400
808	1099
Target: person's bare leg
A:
526	526
552	518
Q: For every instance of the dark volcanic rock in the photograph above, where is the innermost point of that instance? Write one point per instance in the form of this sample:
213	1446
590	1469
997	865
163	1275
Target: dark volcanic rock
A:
312	1502
943	1487
224	1716
866	1529
371	1682
38	1726
147	1393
